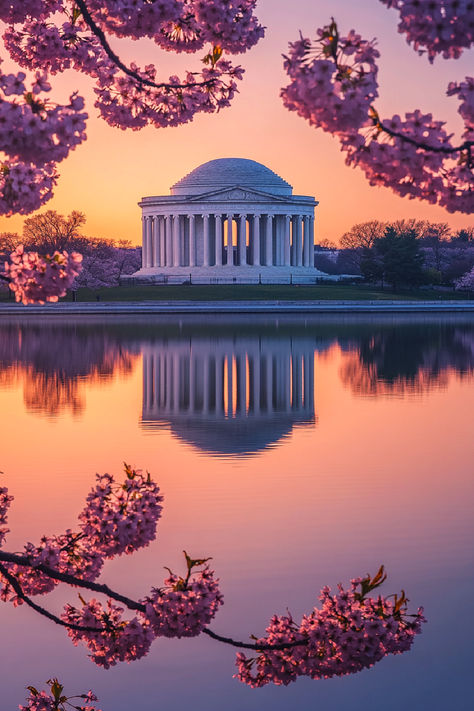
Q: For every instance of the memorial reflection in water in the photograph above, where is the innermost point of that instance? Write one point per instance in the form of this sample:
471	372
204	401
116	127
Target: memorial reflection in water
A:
229	395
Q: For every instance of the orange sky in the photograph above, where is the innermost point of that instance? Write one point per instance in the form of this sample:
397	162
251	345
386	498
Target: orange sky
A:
106	176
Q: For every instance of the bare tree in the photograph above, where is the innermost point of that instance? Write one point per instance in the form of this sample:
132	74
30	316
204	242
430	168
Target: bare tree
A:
50	231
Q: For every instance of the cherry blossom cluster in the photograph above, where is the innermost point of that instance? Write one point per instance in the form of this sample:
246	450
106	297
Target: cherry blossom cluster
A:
50	36
117	518
333	83
35	279
116	640
121	518
184	607
34	136
55	699
5	500
443	27
348	633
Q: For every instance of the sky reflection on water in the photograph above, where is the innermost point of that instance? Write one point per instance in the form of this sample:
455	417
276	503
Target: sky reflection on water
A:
296	453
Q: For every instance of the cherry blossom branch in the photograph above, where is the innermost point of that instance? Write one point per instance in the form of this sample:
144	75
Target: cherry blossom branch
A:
100	34
69	579
38	608
467	145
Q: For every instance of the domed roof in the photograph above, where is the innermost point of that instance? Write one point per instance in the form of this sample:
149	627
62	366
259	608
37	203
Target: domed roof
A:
228	173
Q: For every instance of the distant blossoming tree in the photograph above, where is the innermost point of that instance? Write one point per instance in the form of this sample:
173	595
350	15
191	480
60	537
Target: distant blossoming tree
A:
466	282
334	86
351	630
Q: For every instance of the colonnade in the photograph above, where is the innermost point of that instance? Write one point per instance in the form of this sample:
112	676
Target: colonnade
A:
203	239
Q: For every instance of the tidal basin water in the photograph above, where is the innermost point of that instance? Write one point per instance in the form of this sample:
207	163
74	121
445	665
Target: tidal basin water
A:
295	452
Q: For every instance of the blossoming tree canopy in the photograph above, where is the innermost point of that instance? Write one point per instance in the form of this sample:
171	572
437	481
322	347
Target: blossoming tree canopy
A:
50	36
351	630
334	85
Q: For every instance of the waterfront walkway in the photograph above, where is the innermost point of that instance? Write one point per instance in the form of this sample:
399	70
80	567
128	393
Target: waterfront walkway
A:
236	307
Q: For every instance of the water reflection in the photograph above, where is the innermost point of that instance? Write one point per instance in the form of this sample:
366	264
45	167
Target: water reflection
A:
53	362
396	360
229	395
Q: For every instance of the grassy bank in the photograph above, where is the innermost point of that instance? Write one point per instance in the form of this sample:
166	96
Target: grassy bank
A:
236	292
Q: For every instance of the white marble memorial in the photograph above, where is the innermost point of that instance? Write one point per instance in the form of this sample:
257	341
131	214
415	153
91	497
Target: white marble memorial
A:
229	220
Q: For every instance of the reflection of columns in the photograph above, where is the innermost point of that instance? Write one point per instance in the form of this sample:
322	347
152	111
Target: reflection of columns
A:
287	259
296	382
256	384
205	386
169	240
230	246
230	385
176	250
306	247
269	241
268	382
243	240
143	241
242	384
156	241
205	232
219	384
192	241
308	367
256	240
218	256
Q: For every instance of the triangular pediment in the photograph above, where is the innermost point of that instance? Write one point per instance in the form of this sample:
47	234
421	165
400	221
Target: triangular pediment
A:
238	193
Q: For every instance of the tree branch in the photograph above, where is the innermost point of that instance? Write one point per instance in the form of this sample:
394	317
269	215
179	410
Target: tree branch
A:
466	146
72	580
99	33
41	610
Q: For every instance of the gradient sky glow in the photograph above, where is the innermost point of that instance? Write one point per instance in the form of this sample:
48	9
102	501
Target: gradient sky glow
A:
106	176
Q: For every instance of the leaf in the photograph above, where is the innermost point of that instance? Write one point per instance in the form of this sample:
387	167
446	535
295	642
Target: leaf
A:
34	691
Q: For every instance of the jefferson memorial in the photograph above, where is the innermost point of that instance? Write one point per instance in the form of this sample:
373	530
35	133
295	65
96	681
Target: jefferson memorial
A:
229	220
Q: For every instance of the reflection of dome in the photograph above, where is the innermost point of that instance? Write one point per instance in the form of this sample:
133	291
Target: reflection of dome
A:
234	436
228	172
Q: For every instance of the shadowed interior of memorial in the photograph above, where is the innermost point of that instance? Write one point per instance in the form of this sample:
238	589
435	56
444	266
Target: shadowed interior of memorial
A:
230	219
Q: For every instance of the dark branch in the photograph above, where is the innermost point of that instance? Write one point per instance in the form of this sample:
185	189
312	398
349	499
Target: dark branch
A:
41	610
24	561
71	579
3	277
466	146
99	33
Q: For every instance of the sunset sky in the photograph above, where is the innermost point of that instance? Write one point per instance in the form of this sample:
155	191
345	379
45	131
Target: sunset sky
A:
106	176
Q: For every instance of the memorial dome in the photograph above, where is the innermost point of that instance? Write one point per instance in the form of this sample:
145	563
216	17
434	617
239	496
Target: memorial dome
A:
230	172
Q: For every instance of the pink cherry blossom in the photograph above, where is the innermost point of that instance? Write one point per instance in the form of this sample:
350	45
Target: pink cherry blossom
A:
36	279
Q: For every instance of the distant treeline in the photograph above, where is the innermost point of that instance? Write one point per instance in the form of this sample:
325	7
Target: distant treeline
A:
405	252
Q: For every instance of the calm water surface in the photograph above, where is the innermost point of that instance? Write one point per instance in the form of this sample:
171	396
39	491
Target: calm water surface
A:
296	453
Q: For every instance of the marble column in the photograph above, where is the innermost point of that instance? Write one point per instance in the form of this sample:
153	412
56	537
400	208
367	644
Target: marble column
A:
205	237
269	241
143	242
149	242
192	240
162	242
311	241
218	231
306	246
287	259
176	242
169	240
156	241
256	240
243	240
230	246
298	242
